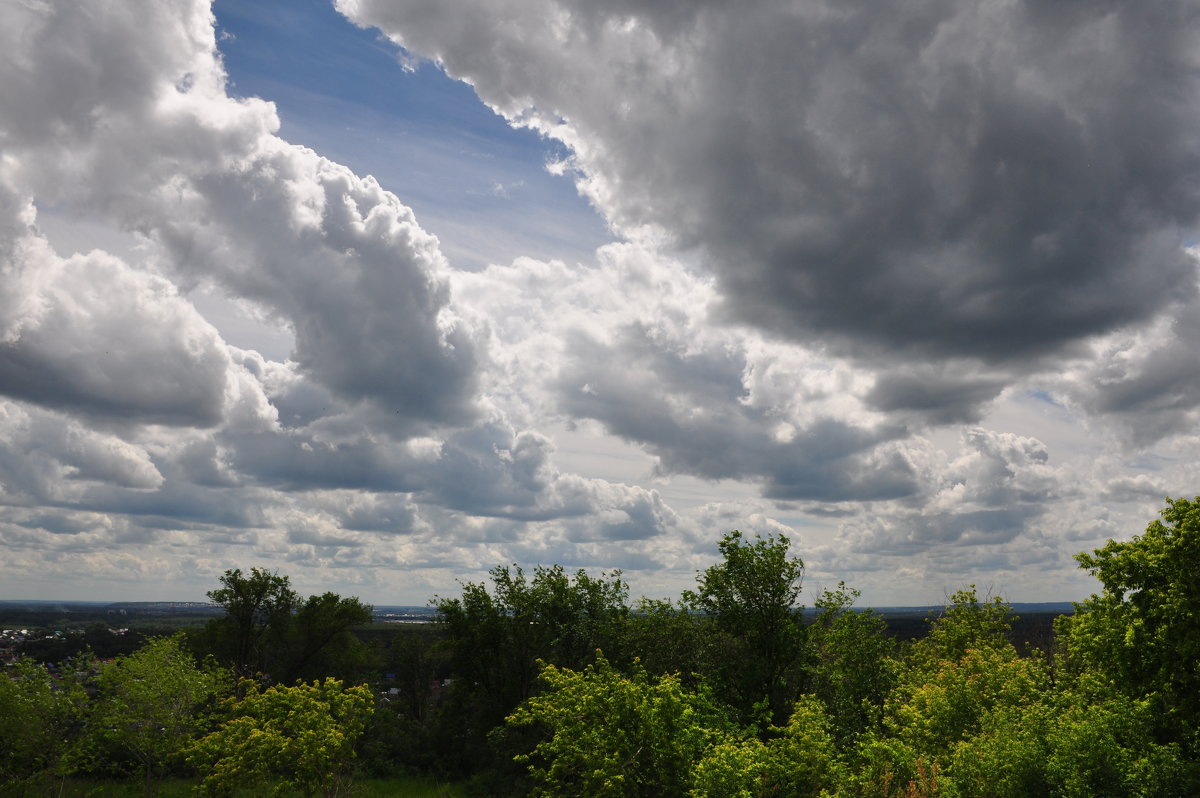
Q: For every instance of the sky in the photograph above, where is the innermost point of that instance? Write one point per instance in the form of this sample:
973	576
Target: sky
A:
383	295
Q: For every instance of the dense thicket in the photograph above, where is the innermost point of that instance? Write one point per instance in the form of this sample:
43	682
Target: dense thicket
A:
553	684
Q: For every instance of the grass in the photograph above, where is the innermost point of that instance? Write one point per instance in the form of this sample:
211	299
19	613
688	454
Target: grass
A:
395	787
407	788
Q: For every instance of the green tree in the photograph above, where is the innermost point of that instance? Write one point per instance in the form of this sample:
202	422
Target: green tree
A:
496	637
751	599
931	711
799	760
43	718
285	739
1074	743
612	735
258	608
852	662
667	638
400	737
319	641
267	629
948	687
148	705
1143	631
965	624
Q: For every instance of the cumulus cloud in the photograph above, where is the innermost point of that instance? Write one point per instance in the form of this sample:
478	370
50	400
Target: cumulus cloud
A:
993	491
91	335
631	344
142	133
990	180
1142	382
45	457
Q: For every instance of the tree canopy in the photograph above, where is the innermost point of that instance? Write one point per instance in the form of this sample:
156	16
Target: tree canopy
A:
1143	631
547	683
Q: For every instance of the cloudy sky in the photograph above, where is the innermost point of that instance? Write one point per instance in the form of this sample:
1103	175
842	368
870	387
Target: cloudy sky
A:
382	294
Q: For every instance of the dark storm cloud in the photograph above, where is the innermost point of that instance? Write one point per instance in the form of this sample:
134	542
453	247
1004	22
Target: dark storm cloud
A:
932	178
933	394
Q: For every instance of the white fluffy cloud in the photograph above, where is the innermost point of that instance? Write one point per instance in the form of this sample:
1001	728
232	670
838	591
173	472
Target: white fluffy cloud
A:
155	145
91	335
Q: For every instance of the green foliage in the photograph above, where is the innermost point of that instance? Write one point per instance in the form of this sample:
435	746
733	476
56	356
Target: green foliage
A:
750	598
407	787
498	636
1143	631
267	629
286	738
853	663
667	639
257	608
319	641
608	734
400	736
1073	746
146	706
953	683
1008	756
799	761
965	624
879	766
934	710
42	721
750	701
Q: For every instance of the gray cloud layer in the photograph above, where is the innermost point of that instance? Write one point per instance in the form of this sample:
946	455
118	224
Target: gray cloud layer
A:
994	180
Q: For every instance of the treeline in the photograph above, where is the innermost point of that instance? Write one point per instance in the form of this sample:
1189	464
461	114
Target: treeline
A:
254	703
548	683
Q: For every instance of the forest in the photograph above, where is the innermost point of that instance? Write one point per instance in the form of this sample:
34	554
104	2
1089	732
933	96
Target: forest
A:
550	683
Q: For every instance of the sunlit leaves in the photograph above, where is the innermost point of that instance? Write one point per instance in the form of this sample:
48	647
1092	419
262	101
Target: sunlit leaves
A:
42	720
1143	631
614	735
288	738
147	703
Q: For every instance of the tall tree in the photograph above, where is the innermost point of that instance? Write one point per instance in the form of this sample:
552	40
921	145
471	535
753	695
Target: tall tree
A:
751	599
267	629
258	608
1143	631
496	638
319	640
852	662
